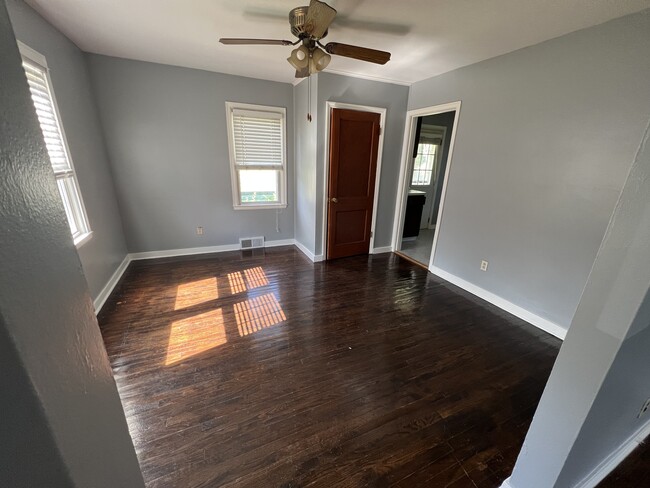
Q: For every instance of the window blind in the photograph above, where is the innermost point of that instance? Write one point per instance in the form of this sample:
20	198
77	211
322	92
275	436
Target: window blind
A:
47	118
40	88
258	139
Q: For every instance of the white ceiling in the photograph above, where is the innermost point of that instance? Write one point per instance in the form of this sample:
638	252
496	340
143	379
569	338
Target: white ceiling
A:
426	37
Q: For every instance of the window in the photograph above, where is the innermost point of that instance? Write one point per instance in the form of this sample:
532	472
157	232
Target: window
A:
256	138
424	165
47	112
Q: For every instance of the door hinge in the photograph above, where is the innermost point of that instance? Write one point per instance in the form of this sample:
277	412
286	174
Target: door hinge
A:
380	129
370	233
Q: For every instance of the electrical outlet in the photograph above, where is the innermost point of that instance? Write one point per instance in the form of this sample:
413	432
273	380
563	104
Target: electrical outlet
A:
644	409
199	231
484	265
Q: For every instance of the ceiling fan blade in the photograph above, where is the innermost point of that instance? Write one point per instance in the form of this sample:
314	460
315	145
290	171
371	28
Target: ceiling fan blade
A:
234	41
302	73
319	17
357	52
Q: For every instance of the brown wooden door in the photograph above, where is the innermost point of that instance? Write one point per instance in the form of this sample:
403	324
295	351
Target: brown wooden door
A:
354	141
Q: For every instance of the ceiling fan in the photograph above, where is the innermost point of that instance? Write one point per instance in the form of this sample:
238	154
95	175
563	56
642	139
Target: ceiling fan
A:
309	25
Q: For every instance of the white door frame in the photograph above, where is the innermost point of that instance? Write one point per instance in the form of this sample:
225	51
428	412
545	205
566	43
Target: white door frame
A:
403	184
326	166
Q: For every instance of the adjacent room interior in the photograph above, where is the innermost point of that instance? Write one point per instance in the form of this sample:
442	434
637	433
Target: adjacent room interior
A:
425	173
352	243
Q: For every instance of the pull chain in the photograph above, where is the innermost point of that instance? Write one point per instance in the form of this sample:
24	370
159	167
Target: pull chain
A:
309	98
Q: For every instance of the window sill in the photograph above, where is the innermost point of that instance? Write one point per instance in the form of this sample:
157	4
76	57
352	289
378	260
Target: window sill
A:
82	239
259	206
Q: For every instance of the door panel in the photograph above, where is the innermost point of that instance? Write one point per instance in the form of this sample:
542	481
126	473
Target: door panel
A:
354	142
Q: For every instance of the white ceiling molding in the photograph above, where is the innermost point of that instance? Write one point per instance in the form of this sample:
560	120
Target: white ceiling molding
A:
425	38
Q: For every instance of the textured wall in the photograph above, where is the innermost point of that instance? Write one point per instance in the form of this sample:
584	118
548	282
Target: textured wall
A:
545	138
165	129
57	385
336	88
105	251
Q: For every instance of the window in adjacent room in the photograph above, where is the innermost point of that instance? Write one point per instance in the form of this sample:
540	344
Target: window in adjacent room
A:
258	163
424	164
49	119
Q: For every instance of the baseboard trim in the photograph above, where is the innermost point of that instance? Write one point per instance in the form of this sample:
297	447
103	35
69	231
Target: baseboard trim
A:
380	250
280	242
170	253
615	458
308	253
539	322
506	484
110	285
189	251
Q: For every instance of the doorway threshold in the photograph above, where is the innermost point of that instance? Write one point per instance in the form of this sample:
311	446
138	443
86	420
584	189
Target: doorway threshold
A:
411	260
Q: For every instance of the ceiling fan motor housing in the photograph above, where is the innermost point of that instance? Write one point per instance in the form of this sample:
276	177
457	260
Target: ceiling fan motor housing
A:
297	19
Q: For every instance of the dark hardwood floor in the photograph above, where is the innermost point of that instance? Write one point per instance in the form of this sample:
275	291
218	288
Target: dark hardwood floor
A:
266	370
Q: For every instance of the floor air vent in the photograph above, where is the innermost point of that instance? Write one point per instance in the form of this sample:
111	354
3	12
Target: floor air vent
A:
251	242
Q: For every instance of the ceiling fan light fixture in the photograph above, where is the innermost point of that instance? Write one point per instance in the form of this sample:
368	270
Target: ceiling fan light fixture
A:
299	58
319	60
310	25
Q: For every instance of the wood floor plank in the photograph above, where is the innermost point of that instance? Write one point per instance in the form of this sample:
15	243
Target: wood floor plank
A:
262	369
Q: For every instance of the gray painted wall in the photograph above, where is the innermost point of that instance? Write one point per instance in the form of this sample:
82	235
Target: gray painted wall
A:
305	157
394	98
545	138
602	375
165	129
58	392
105	251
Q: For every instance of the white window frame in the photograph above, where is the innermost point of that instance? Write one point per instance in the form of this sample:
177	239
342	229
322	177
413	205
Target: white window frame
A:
234	168
74	200
434	166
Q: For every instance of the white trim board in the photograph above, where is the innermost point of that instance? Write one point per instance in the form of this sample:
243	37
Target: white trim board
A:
539	322
608	464
315	258
167	253
405	165
361	76
329	105
189	251
110	285
380	250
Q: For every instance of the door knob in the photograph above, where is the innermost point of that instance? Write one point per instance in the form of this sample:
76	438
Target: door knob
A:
335	200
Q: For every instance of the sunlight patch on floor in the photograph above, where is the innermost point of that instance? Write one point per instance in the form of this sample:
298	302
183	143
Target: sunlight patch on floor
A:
236	281
195	292
258	313
248	280
255	277
194	335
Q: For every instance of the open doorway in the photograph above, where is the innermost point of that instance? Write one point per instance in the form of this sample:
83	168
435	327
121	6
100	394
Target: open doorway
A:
429	142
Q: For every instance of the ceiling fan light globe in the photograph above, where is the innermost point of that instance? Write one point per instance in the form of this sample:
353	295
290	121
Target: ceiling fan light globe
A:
299	58
320	60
